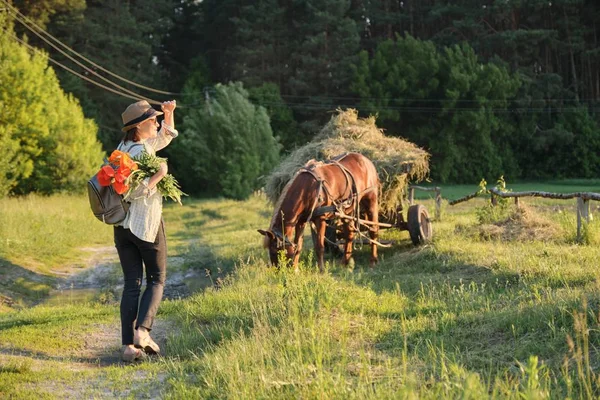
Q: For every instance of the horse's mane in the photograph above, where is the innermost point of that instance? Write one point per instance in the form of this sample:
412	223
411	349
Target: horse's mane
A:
286	188
284	192
310	164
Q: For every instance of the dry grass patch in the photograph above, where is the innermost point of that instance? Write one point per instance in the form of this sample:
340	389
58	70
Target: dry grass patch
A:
521	224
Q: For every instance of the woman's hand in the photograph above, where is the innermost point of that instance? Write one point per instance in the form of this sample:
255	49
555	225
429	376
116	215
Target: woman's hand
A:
168	106
161	173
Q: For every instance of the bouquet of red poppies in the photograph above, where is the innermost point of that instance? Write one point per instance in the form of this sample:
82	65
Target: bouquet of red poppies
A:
117	171
126	174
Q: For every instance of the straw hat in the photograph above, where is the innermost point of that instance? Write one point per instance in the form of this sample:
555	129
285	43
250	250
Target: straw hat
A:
137	113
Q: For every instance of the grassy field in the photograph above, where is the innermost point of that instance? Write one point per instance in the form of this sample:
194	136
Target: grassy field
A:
503	304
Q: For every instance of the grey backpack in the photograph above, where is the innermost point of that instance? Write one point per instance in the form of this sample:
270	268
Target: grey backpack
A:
107	205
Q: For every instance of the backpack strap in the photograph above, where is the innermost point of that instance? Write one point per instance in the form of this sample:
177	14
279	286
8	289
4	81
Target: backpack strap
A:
120	146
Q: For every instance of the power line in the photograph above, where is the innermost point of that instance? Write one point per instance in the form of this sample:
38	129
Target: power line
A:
13	36
416	109
139	96
317	106
428	100
17	12
305	106
421	100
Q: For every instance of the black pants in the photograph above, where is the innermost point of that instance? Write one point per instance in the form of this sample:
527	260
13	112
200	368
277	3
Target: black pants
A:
135	253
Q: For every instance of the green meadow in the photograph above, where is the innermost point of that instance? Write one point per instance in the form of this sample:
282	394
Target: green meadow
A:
504	303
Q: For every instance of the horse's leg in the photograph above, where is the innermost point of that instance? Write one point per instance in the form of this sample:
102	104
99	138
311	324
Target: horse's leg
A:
299	240
373	216
349	237
320	226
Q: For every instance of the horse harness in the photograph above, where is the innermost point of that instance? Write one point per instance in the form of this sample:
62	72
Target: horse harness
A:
338	205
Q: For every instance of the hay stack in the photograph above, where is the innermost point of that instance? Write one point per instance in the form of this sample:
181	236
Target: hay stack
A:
397	161
522	224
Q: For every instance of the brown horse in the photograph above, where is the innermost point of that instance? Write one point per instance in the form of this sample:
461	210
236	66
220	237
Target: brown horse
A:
347	183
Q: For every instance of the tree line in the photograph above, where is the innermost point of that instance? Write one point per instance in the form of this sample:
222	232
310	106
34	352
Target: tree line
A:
488	87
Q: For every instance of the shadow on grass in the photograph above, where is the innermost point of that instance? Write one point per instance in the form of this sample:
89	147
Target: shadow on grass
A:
494	340
21	286
101	360
202	263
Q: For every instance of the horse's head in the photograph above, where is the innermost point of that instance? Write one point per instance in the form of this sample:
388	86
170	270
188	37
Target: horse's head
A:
275	242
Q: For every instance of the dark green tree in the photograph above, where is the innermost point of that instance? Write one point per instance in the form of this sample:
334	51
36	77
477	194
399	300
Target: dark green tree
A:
446	101
282	120
183	45
325	44
261	49
226	146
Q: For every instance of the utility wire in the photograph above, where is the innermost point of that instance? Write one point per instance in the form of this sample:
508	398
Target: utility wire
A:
13	36
409	109
507	100
305	106
139	96
421	100
315	106
17	12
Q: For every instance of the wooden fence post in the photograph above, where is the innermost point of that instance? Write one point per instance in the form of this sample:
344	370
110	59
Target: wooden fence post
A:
438	204
517	202
494	200
411	196
583	214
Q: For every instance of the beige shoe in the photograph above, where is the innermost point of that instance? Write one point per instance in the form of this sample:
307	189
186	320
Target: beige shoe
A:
144	341
131	354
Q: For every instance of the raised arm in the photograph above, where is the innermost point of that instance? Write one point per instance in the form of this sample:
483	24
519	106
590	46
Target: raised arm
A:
168	107
167	131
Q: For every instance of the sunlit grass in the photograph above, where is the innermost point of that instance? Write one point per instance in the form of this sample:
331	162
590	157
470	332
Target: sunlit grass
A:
44	232
466	316
460	317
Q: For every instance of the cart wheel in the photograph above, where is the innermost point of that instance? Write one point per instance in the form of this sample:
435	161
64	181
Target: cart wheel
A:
419	225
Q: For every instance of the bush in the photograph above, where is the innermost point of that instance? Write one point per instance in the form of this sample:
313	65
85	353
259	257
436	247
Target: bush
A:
46	143
226	146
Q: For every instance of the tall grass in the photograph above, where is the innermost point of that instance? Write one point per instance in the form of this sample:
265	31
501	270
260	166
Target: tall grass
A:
41	232
464	317
467	316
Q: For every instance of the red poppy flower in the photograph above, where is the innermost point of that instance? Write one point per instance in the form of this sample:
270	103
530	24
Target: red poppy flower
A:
124	171
127	162
115	157
122	159
119	181
106	175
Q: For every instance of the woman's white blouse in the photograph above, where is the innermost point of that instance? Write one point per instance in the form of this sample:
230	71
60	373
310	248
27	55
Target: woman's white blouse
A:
145	212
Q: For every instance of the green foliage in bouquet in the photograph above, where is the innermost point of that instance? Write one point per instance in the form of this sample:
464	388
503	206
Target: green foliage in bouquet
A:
149	165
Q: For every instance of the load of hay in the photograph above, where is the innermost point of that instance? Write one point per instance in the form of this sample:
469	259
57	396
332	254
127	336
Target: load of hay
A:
397	161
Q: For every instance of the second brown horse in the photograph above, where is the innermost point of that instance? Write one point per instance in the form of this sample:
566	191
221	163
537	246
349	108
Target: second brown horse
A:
347	183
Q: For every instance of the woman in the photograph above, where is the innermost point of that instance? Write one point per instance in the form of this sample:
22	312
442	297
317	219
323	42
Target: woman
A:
140	240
